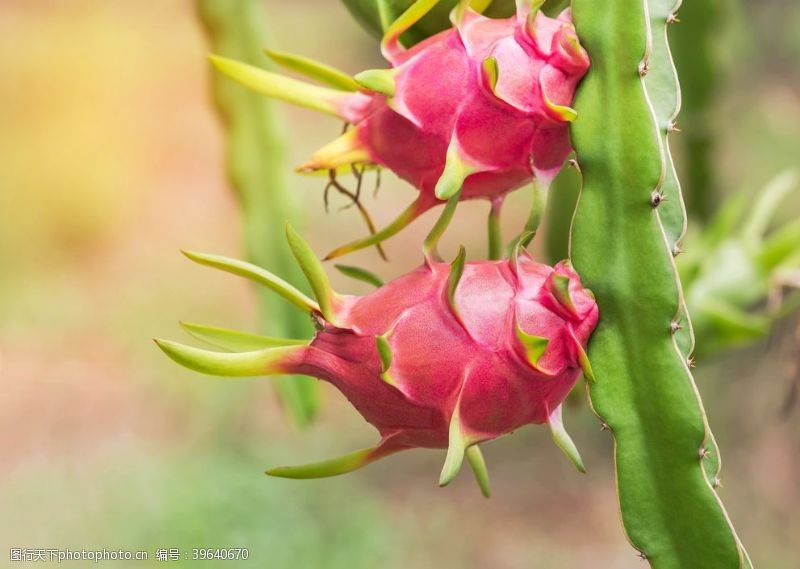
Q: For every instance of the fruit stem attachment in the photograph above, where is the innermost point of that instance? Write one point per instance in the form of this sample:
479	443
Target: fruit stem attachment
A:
430	245
412	212
495	231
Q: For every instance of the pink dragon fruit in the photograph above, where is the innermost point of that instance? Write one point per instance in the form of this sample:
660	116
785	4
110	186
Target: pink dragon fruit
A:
447	356
472	112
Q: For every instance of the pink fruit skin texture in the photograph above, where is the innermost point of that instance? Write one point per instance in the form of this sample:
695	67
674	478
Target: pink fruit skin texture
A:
507	134
467	360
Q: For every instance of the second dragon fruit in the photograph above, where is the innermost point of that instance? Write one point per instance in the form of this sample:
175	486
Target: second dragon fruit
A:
448	356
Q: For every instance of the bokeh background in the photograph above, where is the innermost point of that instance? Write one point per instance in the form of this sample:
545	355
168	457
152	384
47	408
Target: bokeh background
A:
111	159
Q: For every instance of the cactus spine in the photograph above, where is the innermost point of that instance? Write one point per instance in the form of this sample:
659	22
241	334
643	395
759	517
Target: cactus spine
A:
623	245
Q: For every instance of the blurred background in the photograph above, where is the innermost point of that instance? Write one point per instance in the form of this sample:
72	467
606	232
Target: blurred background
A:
112	158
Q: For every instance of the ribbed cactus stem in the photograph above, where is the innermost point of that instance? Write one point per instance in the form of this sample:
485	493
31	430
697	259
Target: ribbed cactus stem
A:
624	236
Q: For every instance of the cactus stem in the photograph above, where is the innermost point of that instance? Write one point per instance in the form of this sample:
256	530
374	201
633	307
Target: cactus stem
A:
256	274
495	230
430	245
478	465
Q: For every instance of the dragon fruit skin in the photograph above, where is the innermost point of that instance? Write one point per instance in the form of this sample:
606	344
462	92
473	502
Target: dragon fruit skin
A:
446	356
472	112
466	356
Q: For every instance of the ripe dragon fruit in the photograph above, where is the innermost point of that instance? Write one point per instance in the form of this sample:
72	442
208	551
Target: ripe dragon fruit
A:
449	355
472	112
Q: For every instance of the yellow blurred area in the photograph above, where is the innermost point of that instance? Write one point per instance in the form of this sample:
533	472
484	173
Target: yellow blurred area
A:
111	160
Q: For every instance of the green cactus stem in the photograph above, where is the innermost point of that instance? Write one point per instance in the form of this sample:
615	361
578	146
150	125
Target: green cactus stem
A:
255	161
695	43
623	248
560	209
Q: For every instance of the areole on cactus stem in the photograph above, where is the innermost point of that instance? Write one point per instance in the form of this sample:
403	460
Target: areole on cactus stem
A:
479	109
450	355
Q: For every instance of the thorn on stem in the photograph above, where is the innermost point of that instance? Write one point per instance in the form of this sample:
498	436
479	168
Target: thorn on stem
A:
675	325
604	426
673	19
717	483
656	198
317	321
673	127
690	361
676	250
704	452
644	67
574	164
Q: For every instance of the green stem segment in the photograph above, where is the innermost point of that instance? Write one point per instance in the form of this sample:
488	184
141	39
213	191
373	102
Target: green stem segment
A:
695	47
255	162
644	390
495	230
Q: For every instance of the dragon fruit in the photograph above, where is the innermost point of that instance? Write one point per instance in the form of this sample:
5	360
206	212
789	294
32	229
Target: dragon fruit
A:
472	112
449	355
